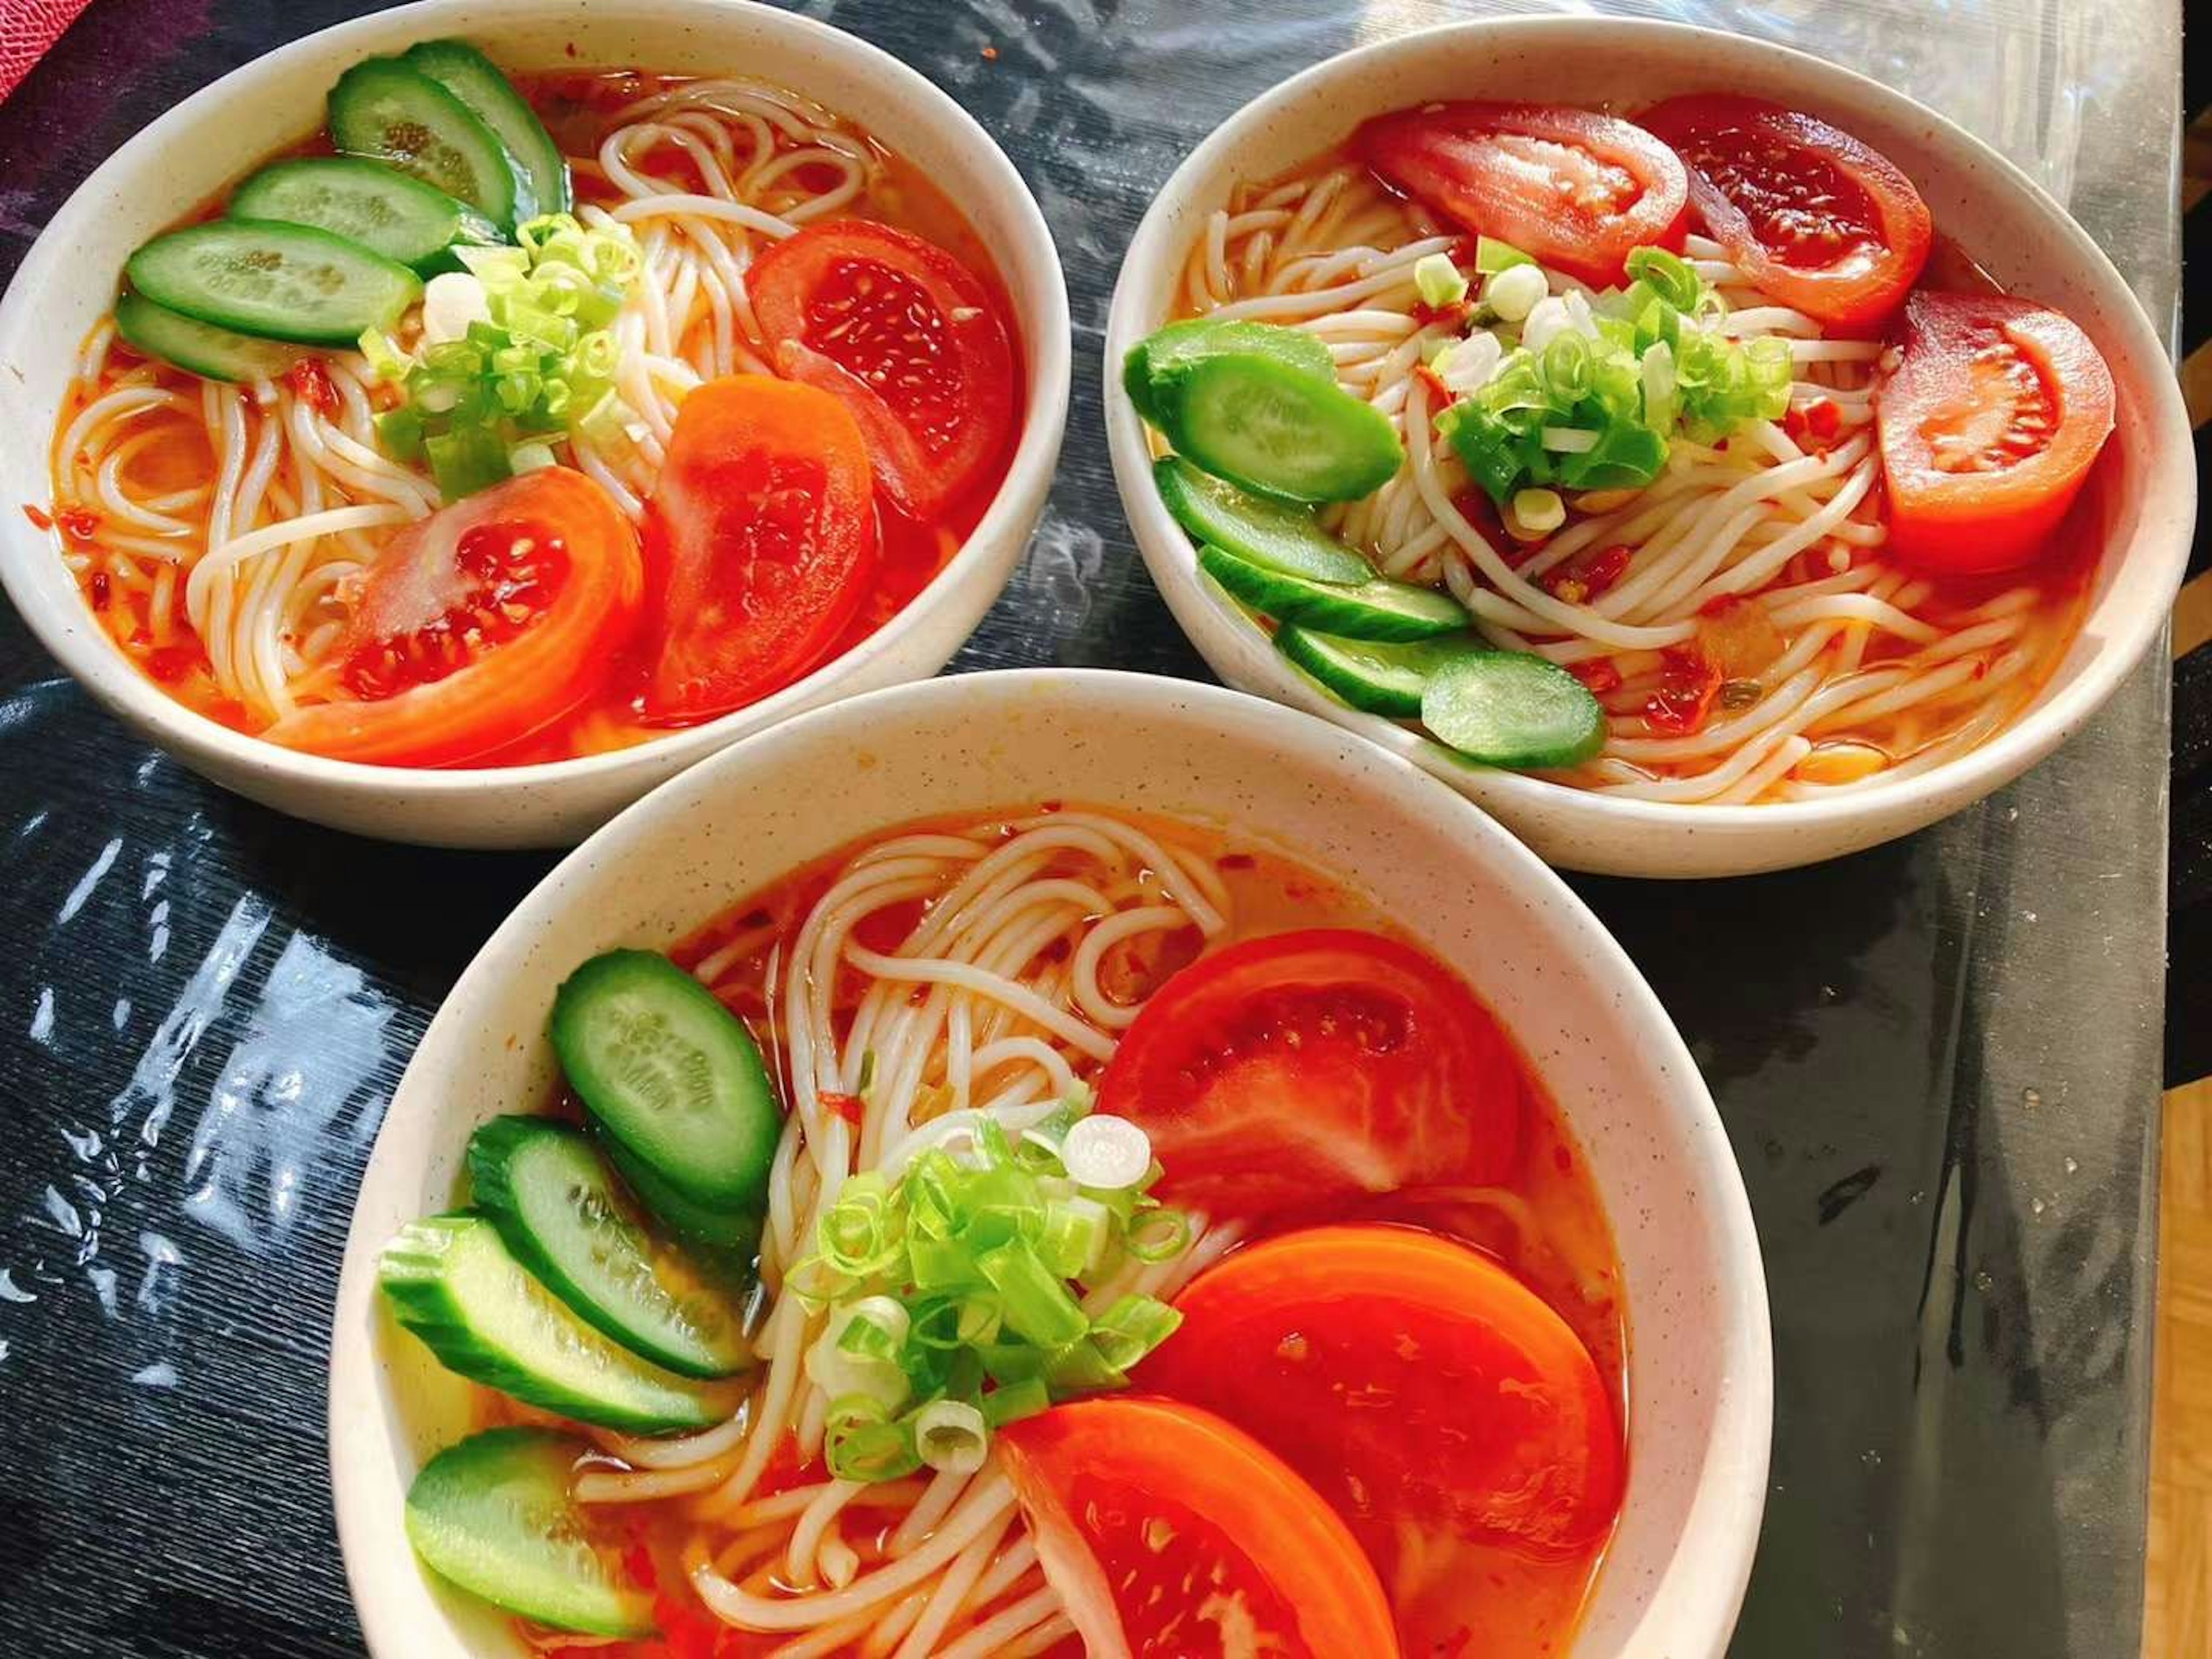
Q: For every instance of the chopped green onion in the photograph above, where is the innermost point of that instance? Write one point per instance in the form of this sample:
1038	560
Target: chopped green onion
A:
1011	1401
466	460
1492	256
1670	276
1514	292
952	1436
1539	511
1161	1236
1439	280
1132	1328
861	1442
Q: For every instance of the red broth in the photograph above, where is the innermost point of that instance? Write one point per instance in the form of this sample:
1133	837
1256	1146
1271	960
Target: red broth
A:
1546	1224
141	611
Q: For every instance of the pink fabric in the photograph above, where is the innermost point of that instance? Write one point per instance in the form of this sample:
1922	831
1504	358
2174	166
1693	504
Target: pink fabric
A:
27	28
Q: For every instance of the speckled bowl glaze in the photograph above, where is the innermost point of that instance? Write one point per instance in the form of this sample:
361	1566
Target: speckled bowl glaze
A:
1701	1382
194	150
2143	510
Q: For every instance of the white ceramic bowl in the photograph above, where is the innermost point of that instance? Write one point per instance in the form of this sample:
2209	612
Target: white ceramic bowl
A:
219	133
2147	504
1700	1383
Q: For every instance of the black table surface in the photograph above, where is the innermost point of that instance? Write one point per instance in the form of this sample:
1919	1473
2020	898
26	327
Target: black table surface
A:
1938	1061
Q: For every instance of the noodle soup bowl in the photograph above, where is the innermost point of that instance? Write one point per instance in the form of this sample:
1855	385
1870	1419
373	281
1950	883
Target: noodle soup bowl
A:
1699	1383
2139	508
214	137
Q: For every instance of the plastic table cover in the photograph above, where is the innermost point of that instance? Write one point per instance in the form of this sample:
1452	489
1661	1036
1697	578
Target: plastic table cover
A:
1937	1059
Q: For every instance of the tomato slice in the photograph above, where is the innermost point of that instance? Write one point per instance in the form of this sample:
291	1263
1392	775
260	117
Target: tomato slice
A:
484	623
1169	1533
1817	220
1448	1415
1988	428
760	538
1574	189
1291	1069
913	341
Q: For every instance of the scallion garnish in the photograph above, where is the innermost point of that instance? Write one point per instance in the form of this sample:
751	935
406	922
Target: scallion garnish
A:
955	1293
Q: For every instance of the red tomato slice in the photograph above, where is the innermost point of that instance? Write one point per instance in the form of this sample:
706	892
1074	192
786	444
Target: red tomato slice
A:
486	622
761	537
1488	1416
1288	1070
1168	1533
1988	429
910	337
1573	189
1816	219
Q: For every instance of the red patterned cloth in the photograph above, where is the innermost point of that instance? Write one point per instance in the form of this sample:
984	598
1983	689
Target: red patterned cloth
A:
27	28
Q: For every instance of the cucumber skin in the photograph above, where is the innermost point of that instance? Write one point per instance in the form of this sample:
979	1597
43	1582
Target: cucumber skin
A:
1360	454
492	1150
1152	372
411	1275
1205	506
744	1186
260	198
1351	613
461	69
726	1242
198	348
537	1462
407	288
1308	651
373	78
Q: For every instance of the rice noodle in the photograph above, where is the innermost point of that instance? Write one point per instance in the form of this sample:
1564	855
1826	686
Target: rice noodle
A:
1760	518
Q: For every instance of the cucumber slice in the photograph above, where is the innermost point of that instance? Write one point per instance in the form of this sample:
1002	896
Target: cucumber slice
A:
1380	678
451	1281
382	109
477	81
378	206
1280	431
1376	609
1156	363
725	1242
279	281
201	349
1513	709
1285	538
558	1210
493	1515
672	1074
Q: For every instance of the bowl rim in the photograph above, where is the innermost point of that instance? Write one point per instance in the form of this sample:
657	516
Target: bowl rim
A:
91	659
1171	556
1726	1499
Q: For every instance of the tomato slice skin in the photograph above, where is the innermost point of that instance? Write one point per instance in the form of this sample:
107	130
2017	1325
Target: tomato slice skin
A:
1988	428
443	587
1486	1416
1572	188
914	343
1161	1526
1329	1062
1817	219
760	540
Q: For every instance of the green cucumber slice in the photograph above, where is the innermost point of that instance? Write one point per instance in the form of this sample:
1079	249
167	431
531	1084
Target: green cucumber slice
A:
477	81
493	1515
1280	431
382	109
560	1214
1513	709
1155	364
277	282
198	347
450	1280
1376	609
379	207
1285	538
672	1074
1380	678
724	1241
